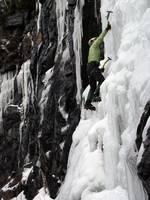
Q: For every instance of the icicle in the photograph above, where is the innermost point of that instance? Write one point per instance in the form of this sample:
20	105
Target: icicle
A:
6	93
60	12
45	92
61	109
39	15
77	42
7	89
25	85
26	88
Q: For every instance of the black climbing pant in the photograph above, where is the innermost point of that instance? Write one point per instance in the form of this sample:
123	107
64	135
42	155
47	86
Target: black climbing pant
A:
94	76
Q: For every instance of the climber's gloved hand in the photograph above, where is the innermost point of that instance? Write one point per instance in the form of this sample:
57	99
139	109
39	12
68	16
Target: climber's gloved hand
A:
102	69
108	27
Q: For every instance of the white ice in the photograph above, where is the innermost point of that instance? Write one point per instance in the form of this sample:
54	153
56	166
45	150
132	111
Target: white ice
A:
26	174
25	85
61	23
20	197
42	195
45	93
38	7
6	93
77	42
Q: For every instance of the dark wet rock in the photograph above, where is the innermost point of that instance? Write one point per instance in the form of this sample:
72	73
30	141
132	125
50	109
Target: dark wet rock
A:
26	47
18	19
11	115
8	152
14	49
15	20
40	135
33	184
143	167
9	141
10	62
13	188
48	26
12	44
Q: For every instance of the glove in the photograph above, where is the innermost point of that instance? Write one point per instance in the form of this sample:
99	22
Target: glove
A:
102	69
108	27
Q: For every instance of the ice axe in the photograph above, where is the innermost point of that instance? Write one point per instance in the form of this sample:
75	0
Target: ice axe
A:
108	59
108	14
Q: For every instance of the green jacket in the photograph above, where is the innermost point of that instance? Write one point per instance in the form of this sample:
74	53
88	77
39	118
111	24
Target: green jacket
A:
94	51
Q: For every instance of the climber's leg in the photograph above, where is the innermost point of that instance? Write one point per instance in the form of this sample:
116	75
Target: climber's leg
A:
92	83
99	78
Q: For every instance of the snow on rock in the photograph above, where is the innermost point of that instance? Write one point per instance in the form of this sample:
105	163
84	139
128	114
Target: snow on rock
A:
42	195
102	161
83	165
26	174
116	194
20	197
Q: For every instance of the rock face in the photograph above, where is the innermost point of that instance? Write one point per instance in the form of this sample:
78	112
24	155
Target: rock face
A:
39	110
144	165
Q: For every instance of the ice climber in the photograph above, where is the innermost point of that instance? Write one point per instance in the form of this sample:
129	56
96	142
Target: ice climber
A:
93	72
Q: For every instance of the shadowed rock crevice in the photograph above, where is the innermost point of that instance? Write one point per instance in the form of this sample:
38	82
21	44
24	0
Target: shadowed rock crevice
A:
91	28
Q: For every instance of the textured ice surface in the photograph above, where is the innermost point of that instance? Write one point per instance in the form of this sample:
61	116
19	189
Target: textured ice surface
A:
77	43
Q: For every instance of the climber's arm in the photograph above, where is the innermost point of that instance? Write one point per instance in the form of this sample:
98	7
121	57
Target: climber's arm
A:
100	38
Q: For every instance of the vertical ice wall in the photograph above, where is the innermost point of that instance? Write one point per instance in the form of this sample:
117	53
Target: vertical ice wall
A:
124	92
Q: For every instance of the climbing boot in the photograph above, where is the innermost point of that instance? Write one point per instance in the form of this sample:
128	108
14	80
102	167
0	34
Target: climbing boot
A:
89	106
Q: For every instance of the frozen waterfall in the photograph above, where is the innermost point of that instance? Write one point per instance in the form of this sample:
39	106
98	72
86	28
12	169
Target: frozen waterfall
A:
102	162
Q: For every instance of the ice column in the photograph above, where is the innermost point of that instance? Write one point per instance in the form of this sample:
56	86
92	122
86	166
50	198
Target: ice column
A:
6	92
39	15
125	90
77	41
60	12
25	84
